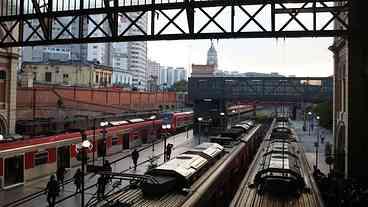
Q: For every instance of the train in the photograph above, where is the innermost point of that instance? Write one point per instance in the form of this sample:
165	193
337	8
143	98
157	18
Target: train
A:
27	159
203	175
280	174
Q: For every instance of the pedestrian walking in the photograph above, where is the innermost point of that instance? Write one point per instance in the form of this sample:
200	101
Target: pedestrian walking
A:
135	156
101	186
78	176
60	172
168	151
52	190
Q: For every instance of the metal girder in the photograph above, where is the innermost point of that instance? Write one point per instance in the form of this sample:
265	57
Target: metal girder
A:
29	16
293	89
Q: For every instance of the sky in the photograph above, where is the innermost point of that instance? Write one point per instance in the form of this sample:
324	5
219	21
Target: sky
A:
293	56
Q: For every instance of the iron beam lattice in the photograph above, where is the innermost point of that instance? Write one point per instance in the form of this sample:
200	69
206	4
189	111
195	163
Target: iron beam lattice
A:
279	89
45	22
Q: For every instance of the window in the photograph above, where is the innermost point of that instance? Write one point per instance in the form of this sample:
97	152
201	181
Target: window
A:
2	75
41	158
48	76
96	78
114	141
34	76
65	76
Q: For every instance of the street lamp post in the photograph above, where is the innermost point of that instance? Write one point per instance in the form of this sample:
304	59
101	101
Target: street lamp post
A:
94	140
309	121
165	127
200	119
317	142
222	114
86	144
153	132
103	125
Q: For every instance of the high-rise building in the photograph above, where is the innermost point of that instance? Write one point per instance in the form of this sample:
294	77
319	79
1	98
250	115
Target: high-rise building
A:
170	76
163	75
152	75
128	59
137	53
180	74
153	69
72	52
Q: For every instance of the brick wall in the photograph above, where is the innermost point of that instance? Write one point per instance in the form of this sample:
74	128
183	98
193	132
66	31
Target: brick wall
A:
44	100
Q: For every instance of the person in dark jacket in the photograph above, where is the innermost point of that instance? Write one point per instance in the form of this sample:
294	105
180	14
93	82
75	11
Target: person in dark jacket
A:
135	156
52	190
168	151
101	186
78	176
60	172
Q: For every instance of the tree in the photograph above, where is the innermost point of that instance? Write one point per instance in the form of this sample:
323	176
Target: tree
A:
181	86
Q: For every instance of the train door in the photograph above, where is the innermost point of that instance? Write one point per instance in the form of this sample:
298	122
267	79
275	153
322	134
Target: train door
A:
125	141
144	135
101	148
14	170
63	157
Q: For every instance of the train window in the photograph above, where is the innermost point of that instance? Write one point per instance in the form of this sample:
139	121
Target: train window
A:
41	158
2	75
114	141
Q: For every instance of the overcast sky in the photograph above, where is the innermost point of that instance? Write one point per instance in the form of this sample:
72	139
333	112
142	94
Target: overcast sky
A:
300	57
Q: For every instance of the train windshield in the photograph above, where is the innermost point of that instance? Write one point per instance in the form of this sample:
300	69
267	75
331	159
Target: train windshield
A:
166	117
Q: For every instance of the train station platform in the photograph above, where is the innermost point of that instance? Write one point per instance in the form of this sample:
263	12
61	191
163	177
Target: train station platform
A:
66	198
308	139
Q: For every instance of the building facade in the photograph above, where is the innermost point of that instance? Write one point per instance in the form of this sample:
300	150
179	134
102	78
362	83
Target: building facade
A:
340	103
8	64
73	52
126	58
152	75
210	68
84	75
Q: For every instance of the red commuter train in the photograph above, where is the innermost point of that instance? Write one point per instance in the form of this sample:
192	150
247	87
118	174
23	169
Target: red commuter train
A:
27	159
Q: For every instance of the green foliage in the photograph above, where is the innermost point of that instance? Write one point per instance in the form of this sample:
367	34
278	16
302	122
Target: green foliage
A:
324	111
181	86
261	117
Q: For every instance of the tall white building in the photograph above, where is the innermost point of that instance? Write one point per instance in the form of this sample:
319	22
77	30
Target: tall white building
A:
170	75
71	52
180	74
163	75
153	69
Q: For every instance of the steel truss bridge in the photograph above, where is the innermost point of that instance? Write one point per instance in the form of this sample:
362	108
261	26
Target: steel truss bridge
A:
266	89
38	22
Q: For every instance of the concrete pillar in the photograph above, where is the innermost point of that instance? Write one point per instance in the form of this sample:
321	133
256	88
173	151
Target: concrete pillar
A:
357	145
9	60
